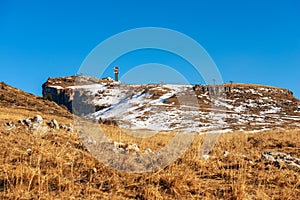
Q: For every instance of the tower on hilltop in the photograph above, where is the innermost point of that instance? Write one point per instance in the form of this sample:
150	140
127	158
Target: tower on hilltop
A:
116	72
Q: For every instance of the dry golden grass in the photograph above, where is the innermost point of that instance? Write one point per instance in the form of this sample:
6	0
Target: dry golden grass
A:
20	113
16	104
252	85
57	166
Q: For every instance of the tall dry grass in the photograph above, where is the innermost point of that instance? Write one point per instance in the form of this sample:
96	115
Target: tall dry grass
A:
56	165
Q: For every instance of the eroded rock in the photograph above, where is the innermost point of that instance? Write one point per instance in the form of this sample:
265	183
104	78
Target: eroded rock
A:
278	159
67	127
53	124
38	119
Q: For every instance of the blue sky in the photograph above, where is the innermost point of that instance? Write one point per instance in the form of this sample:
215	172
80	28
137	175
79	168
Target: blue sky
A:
250	41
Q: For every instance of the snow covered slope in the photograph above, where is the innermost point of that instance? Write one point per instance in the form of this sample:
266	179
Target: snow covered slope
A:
220	108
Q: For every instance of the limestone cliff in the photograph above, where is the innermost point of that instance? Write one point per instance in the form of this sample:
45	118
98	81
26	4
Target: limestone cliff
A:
172	107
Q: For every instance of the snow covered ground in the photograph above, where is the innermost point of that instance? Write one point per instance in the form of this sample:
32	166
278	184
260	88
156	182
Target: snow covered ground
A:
164	107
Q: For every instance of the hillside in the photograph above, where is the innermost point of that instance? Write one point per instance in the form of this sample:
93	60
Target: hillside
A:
44	160
197	108
21	105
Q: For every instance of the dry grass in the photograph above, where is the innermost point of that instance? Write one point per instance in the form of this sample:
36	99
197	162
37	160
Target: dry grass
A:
20	113
57	166
16	104
252	85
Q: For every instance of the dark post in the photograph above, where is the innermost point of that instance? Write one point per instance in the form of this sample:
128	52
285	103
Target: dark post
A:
230	88
116	72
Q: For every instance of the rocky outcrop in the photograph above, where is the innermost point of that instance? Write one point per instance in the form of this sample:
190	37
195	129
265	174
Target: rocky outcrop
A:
53	124
38	124
63	91
229	106
241	88
57	93
279	159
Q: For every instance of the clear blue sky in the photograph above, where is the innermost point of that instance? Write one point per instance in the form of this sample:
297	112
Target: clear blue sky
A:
250	41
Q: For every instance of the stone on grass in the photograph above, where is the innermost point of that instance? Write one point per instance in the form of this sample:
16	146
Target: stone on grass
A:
54	124
38	119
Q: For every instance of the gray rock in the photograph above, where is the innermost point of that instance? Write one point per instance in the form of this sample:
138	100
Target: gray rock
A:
21	122
27	122
68	127
35	126
10	124
133	148
148	150
53	124
119	147
278	158
38	119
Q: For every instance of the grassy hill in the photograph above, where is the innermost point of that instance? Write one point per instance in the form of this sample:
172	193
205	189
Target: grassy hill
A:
54	164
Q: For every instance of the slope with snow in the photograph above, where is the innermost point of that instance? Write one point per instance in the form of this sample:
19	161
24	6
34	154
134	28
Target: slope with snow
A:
188	108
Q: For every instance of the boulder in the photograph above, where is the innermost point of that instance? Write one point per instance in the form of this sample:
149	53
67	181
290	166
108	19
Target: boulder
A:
21	122
10	124
148	150
119	147
35	126
68	127
27	122
133	148
278	159
53	124
37	119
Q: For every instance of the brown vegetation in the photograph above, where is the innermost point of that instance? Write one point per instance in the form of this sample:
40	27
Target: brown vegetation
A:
16	104
56	165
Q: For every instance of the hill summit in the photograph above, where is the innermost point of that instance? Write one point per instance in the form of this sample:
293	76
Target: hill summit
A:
44	158
167	107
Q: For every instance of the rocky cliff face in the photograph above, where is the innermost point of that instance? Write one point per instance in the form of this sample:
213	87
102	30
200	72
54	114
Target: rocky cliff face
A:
197	108
62	90
61	95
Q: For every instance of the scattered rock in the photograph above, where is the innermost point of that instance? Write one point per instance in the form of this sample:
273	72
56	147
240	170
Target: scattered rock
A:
68	127
108	79
34	123
205	156
38	119
53	124
108	122
63	126
21	122
10	124
27	122
279	159
120	147
133	148
226	153
29	151
148	150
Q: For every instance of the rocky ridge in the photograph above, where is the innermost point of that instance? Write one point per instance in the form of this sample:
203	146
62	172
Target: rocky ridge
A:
191	108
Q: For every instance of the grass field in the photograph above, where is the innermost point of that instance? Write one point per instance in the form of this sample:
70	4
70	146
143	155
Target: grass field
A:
56	165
